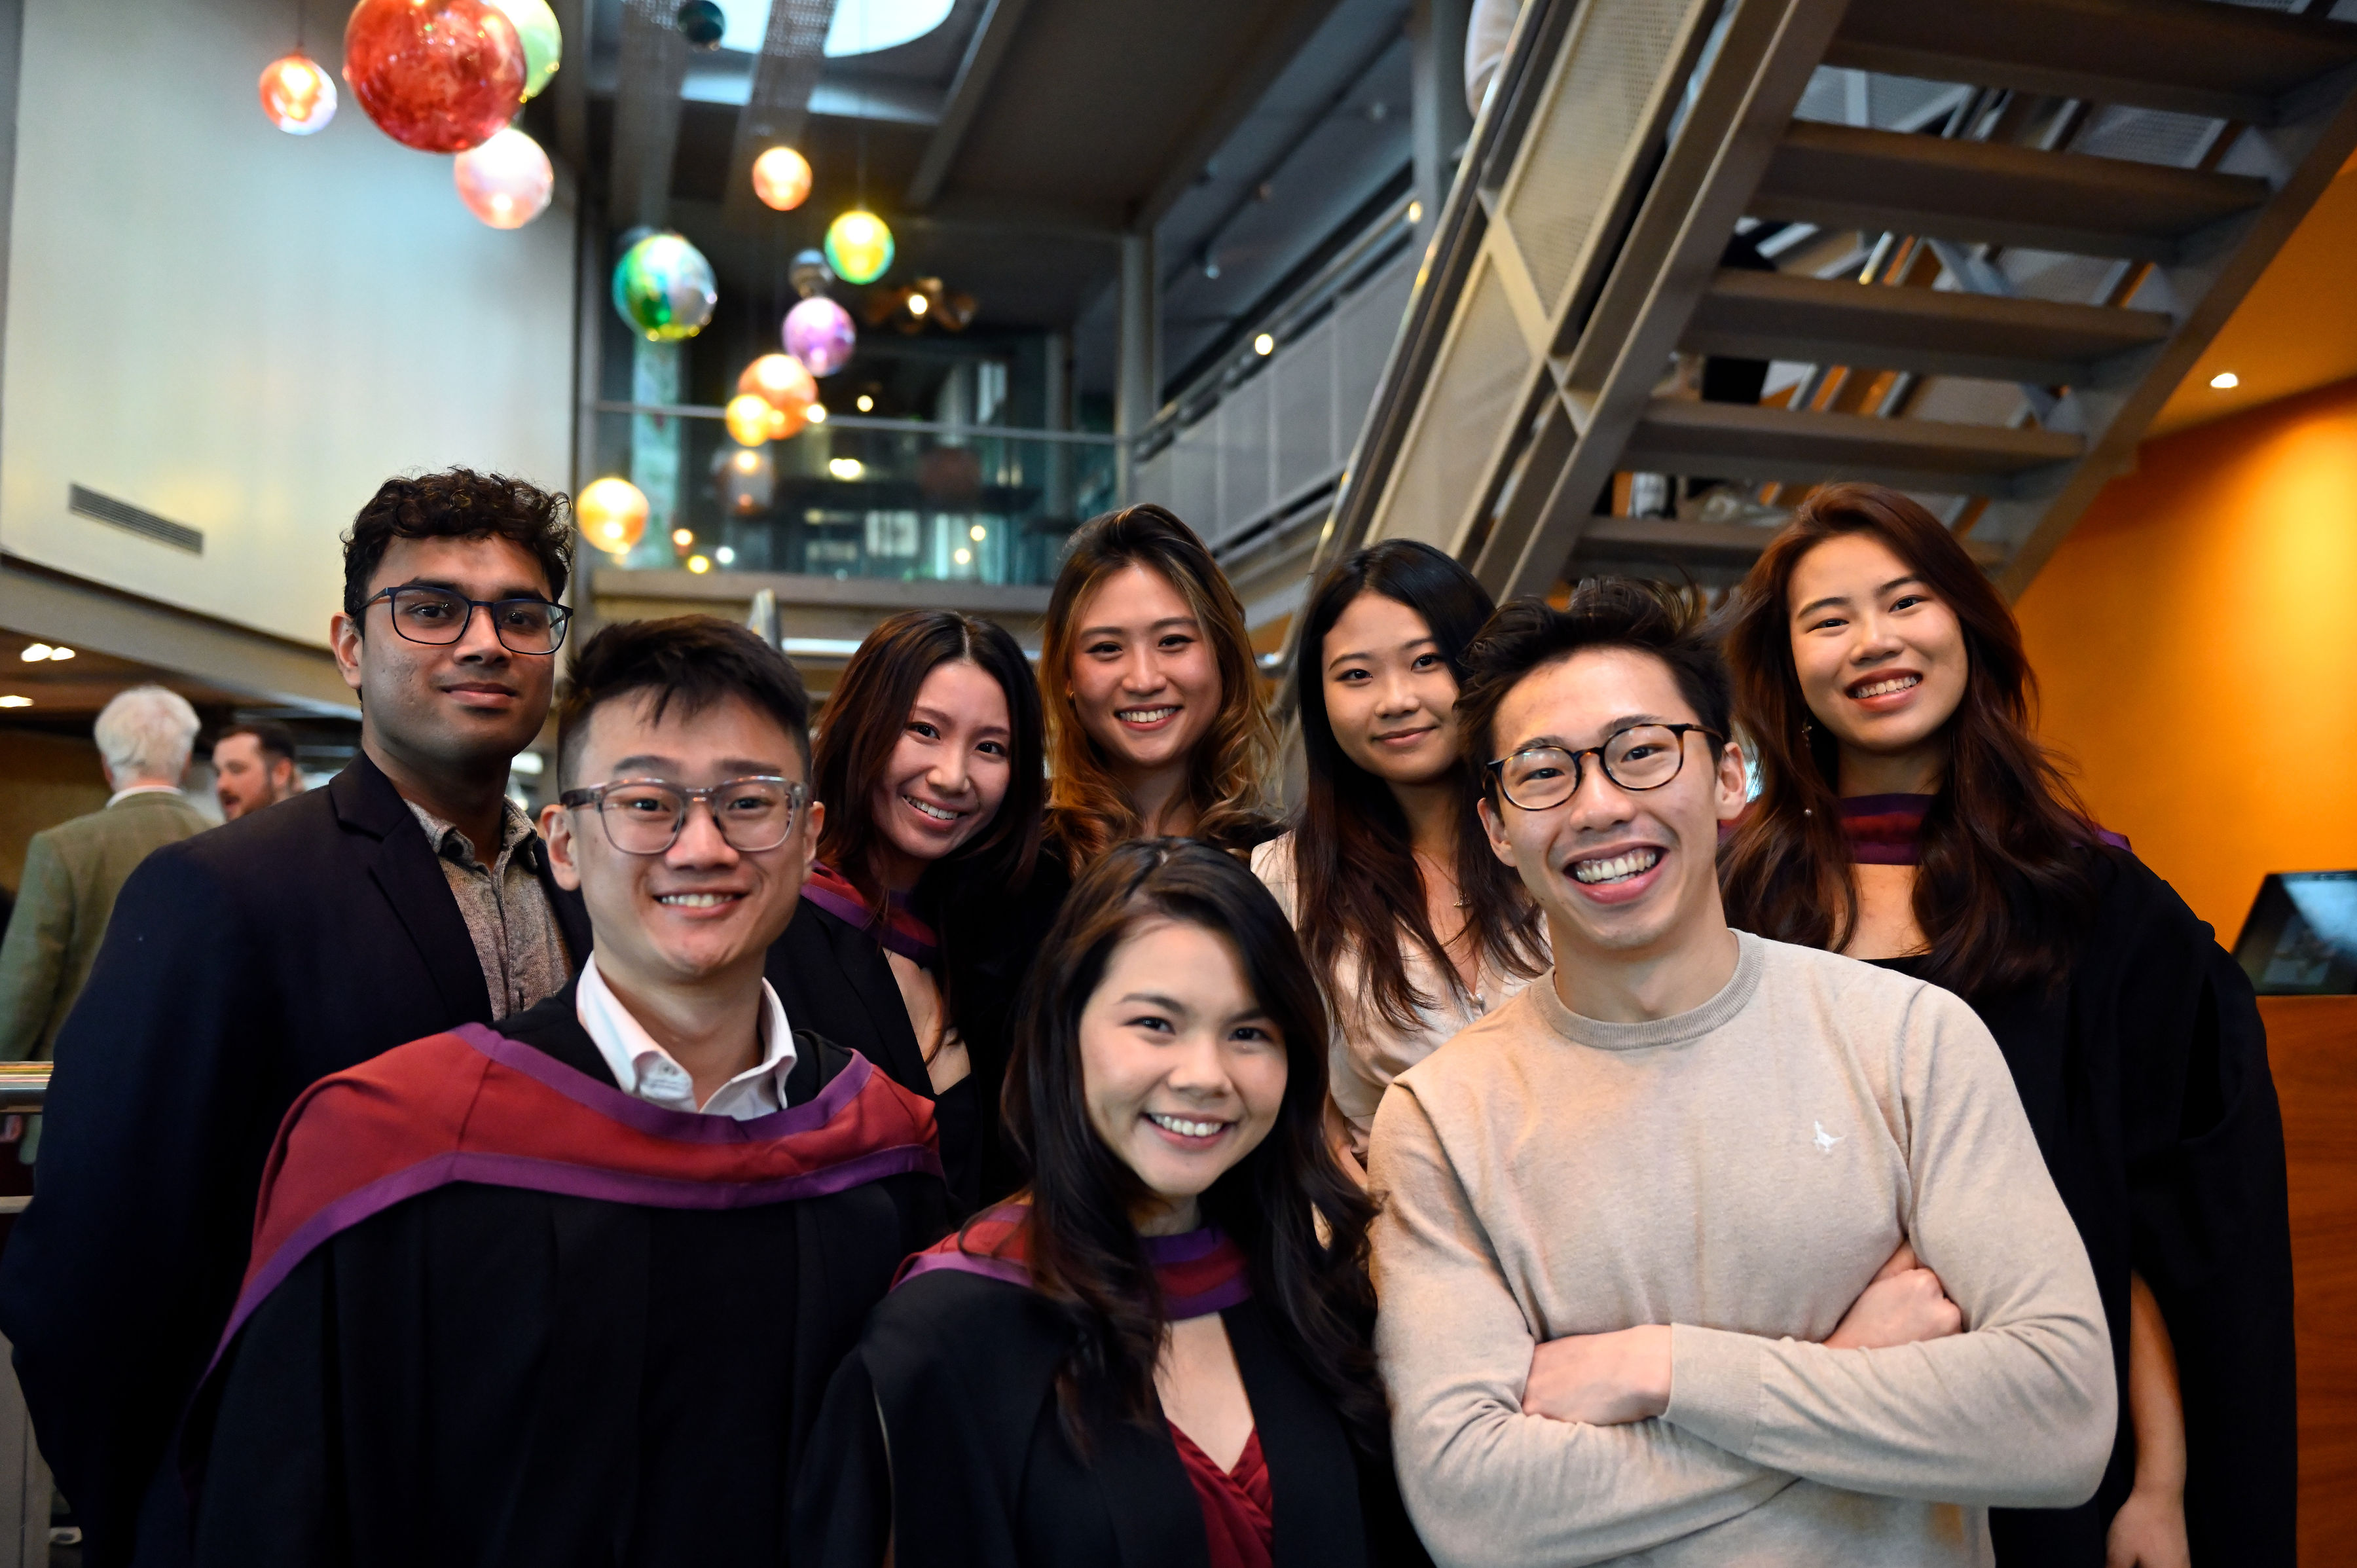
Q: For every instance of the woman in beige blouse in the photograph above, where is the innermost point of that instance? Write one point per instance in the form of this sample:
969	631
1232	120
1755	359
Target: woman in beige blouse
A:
1413	927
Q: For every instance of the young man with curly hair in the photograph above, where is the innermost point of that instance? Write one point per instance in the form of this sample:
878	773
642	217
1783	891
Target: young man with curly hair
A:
405	897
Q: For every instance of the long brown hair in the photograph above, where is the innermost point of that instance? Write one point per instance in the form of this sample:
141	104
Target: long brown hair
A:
1300	1221
1088	809
1353	860
2005	872
862	725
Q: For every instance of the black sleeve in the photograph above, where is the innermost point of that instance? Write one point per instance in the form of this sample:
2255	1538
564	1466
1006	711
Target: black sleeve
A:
2211	1235
842	1498
122	1273
261	1439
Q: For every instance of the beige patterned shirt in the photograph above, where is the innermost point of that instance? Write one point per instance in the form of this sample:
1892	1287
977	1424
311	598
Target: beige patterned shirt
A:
517	938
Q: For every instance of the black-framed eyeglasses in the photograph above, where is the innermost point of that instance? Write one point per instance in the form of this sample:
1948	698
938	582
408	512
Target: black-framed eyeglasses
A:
1642	757
440	617
646	816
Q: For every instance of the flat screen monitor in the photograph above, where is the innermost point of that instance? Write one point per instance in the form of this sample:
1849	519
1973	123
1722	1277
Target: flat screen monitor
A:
2300	938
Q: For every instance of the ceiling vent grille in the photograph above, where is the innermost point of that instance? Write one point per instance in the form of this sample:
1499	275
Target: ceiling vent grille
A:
123	514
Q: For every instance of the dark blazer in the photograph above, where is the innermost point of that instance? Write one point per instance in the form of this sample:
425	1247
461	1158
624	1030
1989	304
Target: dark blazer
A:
240	966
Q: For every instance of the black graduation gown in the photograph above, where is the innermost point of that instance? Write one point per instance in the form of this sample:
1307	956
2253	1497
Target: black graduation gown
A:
2145	1077
832	976
961	1369
487	1375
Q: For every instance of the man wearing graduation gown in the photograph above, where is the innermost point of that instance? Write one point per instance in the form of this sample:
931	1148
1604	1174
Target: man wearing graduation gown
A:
569	1291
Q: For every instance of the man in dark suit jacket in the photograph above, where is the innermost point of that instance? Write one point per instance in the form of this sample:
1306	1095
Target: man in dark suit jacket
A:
245	963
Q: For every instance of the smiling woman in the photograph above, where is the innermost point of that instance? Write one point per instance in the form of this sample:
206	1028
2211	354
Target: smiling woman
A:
914	927
1907	816
1154	710
1420	929
1161	1350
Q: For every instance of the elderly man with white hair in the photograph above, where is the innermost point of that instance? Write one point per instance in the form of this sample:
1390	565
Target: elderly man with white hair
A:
73	871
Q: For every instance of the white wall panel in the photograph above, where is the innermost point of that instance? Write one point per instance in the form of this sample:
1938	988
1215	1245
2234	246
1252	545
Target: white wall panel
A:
246	331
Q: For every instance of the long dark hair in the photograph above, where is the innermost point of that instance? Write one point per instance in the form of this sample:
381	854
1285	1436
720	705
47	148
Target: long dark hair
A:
2006	877
1354	863
1088	809
862	725
1085	1254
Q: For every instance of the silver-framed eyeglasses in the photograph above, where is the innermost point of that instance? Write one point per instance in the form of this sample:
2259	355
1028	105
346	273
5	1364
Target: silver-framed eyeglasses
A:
440	617
1642	757
646	816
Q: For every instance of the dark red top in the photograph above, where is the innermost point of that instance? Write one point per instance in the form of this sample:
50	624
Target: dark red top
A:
1236	1503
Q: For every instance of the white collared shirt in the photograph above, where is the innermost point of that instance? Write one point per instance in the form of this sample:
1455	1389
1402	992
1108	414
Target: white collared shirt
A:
647	1072
144	790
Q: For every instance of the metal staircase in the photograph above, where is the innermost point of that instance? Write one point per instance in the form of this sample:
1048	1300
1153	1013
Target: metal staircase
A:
2001	232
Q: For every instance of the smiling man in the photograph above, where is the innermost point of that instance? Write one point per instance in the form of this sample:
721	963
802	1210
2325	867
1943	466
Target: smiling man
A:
1707	1248
405	897
567	1291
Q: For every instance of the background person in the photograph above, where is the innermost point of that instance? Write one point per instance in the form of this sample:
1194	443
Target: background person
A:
922	916
74	871
250	961
560	1316
1152	1356
1640	1227
1907	816
254	767
1417	929
1156	722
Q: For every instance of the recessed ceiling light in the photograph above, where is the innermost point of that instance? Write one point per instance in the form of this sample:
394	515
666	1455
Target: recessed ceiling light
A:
1265	344
12	701
2225	380
815	413
58	653
867	403
34	652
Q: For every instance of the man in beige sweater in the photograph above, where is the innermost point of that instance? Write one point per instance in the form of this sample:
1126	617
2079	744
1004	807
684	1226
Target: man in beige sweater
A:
1706	1249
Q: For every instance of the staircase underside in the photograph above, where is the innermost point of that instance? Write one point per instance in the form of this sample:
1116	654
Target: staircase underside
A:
1981	242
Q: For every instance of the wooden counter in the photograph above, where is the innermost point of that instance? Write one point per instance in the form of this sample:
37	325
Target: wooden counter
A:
2312	1049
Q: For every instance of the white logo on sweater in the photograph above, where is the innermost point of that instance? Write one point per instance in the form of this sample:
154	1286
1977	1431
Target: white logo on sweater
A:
1825	1140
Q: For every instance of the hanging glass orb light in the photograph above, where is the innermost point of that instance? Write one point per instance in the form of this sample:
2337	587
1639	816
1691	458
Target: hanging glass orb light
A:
781	179
544	41
808	272
701	23
663	287
437	75
781	381
507	182
612	513
819	333
747	418
858	247
298	94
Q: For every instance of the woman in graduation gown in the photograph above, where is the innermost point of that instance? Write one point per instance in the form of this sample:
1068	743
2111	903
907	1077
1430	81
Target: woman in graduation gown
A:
918	924
1157	1356
1907	816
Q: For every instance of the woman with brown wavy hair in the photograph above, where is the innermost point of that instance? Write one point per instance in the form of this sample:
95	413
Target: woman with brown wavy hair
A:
1908	817
1156	721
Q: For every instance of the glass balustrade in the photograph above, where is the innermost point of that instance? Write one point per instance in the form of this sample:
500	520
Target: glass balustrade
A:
855	496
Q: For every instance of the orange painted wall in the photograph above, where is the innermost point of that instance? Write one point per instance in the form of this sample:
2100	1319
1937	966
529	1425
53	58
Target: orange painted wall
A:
2195	641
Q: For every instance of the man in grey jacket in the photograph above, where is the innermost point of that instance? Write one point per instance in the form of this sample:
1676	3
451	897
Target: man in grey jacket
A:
1707	1248
73	871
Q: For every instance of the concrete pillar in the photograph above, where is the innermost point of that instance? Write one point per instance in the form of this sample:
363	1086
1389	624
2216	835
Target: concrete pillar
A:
1437	95
1137	370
